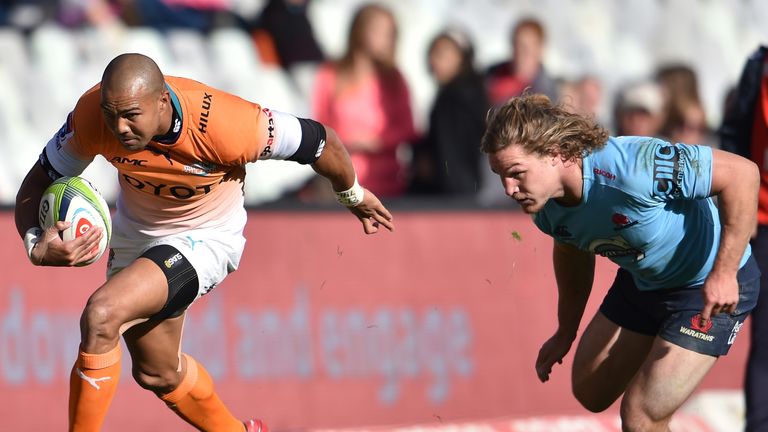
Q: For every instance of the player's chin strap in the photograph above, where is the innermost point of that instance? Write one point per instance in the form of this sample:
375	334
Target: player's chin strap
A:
31	237
353	196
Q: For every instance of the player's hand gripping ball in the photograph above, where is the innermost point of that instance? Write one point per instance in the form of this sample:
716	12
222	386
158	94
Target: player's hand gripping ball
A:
75	200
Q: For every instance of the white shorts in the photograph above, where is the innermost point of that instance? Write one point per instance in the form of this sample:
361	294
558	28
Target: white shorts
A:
214	252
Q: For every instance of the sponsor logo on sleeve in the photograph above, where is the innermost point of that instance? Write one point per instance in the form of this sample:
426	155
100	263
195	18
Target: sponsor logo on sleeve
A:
668	171
270	134
206	111
65	133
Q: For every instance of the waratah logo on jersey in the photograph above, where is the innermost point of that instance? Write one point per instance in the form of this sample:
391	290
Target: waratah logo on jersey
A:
622	221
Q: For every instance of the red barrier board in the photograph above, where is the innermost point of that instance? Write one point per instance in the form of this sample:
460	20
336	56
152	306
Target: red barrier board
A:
325	327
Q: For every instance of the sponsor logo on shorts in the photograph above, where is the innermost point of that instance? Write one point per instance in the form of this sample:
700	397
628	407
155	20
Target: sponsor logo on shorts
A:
173	260
696	324
697	330
698	335
734	332
320	149
193	242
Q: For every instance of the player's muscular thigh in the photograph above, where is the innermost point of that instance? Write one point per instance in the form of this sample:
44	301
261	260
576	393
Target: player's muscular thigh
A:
134	293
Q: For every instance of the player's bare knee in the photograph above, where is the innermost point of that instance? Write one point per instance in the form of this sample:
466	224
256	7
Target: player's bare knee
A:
159	382
642	424
100	320
636	418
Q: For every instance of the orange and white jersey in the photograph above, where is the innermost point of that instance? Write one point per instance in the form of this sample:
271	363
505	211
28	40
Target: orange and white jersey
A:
197	181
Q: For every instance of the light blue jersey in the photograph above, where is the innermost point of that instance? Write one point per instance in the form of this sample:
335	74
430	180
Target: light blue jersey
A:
646	207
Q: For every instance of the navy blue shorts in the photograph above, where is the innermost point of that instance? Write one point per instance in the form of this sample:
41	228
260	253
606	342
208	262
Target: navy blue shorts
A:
673	314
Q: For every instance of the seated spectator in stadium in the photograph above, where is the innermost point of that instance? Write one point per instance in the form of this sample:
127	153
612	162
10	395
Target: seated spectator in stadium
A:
364	97
639	110
686	122
284	36
685	119
447	161
679	82
686	279
92	13
200	15
524	69
583	96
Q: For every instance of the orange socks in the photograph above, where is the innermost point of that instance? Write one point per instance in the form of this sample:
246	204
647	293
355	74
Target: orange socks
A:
195	401
92	385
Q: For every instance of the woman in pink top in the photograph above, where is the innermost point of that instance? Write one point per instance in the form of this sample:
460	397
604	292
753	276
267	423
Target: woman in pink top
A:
365	99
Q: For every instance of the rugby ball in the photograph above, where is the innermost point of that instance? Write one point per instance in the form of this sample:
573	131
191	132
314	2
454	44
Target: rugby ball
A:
75	200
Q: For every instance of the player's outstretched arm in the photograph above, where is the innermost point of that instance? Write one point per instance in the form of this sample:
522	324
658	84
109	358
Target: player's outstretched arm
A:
574	272
735	181
335	165
45	247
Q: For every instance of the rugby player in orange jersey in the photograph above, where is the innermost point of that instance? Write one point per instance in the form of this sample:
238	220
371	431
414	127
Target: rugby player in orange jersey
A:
180	148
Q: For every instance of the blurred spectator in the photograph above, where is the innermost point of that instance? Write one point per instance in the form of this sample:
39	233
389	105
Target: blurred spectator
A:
686	123
284	36
97	13
679	82
584	96
448	160
685	117
745	132
200	15
26	15
639	110
364	97
524	68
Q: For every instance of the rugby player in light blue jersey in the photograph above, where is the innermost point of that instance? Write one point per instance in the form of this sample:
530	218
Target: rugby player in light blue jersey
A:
686	278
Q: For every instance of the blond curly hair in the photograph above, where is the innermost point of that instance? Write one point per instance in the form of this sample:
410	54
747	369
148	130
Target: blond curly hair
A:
540	127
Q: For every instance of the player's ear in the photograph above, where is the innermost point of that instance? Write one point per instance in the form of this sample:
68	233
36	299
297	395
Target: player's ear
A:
165	100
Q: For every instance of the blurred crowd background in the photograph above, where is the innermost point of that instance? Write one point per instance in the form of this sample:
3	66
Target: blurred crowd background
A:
405	83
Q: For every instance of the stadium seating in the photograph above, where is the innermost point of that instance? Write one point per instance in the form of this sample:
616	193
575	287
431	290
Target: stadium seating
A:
614	40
